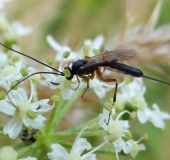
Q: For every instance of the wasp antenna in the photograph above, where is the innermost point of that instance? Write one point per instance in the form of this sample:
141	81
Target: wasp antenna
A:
32	59
29	77
156	80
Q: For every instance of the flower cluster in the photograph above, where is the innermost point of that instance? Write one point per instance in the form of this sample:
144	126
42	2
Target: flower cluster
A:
35	120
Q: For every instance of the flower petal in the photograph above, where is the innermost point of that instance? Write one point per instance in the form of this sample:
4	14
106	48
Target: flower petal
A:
7	108
80	145
58	152
13	127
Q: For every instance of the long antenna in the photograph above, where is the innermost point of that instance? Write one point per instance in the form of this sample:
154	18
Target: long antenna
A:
31	76
33	59
156	80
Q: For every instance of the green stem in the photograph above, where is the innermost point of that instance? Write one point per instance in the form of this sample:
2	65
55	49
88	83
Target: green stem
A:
19	145
78	128
104	150
85	134
28	149
63	110
61	104
1	127
50	119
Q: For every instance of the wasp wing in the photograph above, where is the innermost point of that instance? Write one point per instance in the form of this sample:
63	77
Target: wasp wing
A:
106	57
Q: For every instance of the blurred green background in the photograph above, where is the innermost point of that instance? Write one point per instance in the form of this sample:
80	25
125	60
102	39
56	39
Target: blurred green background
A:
70	22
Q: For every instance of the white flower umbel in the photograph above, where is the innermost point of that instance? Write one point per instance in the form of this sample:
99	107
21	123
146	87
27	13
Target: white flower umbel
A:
155	116
80	144
23	111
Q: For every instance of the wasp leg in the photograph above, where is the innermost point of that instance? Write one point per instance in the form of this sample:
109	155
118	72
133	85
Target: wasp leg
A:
78	82
99	74
91	76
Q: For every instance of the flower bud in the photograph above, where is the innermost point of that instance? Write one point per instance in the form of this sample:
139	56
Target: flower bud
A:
86	49
24	72
49	61
2	95
30	114
13	84
96	51
66	54
55	98
145	136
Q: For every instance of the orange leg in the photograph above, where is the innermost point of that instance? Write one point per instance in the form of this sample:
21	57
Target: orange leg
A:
99	74
91	76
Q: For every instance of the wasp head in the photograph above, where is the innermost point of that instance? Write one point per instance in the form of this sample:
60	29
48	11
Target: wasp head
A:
70	75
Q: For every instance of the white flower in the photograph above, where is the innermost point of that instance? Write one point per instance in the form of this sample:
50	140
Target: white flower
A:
60	49
10	73
16	27
133	93
20	110
120	144
135	147
80	144
116	127
61	82
155	116
8	153
95	44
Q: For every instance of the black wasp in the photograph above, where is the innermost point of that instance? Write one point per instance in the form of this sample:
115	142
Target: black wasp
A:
90	65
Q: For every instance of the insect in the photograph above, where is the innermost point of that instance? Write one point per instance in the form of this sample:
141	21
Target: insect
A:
90	65
27	135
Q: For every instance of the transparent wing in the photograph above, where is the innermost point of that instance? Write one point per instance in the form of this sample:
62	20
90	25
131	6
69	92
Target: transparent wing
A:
119	55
